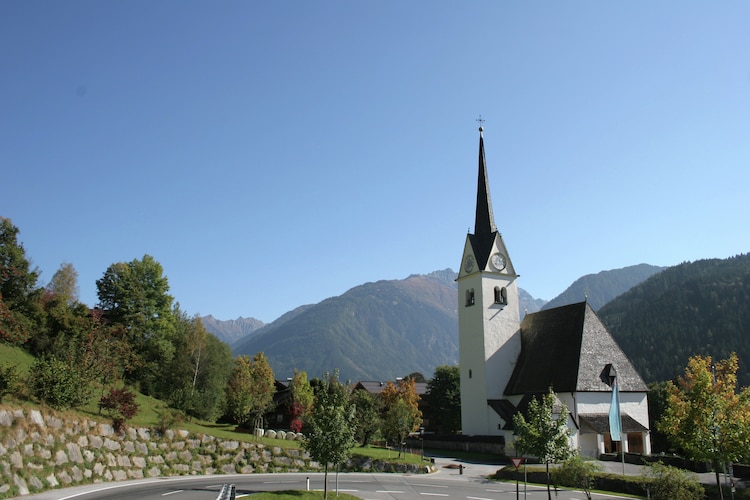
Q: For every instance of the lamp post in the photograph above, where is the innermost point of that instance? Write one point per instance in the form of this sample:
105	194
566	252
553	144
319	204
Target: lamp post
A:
421	436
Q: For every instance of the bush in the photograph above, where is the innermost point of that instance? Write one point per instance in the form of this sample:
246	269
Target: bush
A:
59	384
120	405
577	473
670	483
9	379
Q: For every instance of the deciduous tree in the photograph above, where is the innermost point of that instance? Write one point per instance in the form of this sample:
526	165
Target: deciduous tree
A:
542	434
64	283
368	416
706	417
250	389
330	426
402	413
303	399
17	286
134	295
444	397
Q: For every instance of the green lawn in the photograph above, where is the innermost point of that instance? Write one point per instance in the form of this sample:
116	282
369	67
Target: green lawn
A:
15	356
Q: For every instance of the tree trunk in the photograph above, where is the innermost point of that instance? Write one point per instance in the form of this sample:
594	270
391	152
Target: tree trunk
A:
718	479
549	493
325	482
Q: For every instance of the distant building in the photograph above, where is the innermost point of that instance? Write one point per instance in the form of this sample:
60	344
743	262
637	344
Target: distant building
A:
505	360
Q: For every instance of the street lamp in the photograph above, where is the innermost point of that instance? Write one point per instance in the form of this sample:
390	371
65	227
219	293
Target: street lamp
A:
421	435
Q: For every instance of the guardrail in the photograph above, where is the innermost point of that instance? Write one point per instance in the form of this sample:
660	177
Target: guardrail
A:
227	492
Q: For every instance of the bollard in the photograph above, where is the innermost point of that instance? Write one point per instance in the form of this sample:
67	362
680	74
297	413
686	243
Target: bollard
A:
308	483
461	469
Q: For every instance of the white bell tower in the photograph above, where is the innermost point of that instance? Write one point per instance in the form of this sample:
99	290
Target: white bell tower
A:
488	316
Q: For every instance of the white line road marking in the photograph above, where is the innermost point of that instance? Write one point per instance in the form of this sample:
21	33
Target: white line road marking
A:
478	498
433	494
388	491
427	485
171	493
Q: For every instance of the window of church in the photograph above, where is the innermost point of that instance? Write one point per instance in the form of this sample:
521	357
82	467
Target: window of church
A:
470	297
501	295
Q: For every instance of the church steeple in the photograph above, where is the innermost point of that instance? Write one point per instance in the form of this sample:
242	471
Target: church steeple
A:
484	222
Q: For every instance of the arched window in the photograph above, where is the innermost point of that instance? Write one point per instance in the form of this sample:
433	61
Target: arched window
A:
470	297
501	295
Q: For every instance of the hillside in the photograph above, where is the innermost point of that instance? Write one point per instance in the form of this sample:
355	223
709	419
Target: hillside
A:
700	307
600	288
375	331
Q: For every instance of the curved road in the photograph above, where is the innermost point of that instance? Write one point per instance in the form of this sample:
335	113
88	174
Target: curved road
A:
446	483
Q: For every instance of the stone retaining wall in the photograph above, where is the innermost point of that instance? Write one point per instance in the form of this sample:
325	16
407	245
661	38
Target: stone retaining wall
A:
41	451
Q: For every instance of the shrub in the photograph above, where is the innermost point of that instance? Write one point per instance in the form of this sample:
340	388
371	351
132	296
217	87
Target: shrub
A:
58	383
9	379
577	473
120	405
670	483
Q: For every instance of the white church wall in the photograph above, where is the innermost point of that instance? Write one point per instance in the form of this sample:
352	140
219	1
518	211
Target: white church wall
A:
634	404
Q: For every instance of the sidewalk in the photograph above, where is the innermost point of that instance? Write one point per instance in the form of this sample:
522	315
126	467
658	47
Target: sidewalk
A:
448	466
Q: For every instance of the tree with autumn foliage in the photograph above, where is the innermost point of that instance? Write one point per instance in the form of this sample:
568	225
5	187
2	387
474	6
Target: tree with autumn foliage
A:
250	390
401	410
303	398
706	417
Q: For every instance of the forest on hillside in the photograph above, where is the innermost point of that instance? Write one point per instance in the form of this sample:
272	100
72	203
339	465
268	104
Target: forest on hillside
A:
700	307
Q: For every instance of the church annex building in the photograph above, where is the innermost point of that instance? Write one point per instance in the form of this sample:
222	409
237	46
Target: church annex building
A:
506	360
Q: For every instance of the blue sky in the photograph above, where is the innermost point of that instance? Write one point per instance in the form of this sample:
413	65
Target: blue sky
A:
274	154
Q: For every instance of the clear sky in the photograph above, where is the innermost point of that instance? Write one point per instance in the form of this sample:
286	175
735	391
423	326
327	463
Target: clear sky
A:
275	154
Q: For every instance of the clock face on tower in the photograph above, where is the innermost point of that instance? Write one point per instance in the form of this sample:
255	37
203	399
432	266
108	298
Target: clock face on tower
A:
498	261
469	264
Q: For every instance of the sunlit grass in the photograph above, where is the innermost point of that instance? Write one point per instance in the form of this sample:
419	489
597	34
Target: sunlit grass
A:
11	355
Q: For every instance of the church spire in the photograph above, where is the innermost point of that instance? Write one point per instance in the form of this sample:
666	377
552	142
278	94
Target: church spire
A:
484	222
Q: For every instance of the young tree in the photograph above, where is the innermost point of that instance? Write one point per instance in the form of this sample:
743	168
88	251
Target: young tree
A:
250	389
543	435
303	398
705	415
444	397
134	296
402	413
330	426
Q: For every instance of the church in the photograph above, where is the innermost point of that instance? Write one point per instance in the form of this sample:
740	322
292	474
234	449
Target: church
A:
506	360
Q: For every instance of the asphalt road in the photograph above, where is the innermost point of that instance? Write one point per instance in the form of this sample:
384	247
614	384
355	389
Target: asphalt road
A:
447	482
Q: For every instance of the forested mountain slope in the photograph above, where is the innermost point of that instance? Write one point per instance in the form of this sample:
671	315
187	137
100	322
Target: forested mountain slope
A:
375	331
700	307
600	288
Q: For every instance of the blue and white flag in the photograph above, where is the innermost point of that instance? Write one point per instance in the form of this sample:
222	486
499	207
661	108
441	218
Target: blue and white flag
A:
615	426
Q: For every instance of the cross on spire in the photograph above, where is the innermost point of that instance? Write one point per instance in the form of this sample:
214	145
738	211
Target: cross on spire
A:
481	121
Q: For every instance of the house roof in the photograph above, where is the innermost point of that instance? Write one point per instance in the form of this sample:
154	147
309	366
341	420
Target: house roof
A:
599	423
376	387
568	348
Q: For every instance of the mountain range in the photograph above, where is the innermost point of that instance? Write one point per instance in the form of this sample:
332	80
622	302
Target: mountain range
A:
389	328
